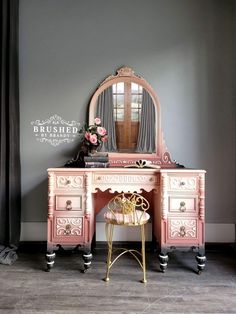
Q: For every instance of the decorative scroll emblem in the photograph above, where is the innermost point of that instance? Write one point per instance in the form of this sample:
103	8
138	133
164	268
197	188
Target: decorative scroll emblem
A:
55	130
125	71
69	226
69	182
125	179
183	228
183	183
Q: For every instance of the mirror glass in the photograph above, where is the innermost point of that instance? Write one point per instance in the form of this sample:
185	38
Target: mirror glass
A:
130	111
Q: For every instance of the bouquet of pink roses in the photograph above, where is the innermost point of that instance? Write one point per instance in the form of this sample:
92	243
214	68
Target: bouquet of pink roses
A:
94	134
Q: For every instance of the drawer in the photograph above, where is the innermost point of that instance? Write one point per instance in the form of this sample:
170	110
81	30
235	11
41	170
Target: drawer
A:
72	182
183	204
68	228
126	179
69	202
182	229
183	183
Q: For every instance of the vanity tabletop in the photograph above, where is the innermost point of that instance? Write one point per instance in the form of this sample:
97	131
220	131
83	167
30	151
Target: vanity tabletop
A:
127	170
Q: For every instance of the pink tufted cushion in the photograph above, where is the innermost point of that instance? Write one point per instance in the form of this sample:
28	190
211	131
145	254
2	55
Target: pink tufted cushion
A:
138	217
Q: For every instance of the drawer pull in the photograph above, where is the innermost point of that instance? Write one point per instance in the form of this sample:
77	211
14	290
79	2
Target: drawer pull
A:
68	230
68	182
182	207
68	205
182	231
182	183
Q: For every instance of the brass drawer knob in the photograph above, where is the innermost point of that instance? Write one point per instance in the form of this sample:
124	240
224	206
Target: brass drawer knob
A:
68	230
182	207
182	231
68	181
68	205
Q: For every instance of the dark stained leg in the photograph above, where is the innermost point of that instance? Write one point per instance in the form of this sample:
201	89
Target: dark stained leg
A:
163	259
50	256
201	260
87	257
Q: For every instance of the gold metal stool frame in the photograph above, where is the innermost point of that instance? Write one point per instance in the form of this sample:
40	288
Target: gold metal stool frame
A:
126	209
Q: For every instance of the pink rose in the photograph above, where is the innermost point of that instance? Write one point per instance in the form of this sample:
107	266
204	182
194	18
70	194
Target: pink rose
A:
101	131
97	121
87	136
104	139
93	139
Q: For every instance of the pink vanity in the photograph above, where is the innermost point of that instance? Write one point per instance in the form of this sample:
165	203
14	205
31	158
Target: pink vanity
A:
176	194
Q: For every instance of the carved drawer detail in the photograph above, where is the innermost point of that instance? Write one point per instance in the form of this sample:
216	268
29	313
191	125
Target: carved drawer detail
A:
182	229
125	179
69	182
69	202
69	226
183	183
183	204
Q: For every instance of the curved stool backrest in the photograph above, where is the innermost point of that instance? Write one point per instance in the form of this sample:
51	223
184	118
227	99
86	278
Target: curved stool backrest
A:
127	209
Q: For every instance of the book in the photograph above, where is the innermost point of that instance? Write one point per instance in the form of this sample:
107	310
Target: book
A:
98	154
96	158
96	164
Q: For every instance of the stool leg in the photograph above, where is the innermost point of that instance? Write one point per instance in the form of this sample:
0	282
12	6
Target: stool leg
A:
109	235
143	254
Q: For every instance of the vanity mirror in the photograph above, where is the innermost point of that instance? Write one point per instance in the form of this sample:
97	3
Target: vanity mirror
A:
130	111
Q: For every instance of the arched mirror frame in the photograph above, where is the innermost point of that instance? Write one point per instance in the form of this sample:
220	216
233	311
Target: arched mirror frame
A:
161	156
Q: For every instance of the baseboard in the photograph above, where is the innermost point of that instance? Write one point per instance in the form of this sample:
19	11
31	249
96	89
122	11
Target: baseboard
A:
215	233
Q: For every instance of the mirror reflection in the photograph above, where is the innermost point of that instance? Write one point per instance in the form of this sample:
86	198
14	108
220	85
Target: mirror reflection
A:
128	113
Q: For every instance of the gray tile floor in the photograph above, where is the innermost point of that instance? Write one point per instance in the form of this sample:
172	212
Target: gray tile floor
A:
26	288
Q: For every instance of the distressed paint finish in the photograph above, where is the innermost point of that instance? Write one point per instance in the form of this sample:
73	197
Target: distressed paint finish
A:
178	205
182	208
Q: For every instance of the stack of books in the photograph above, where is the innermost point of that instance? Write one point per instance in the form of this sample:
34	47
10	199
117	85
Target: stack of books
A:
96	161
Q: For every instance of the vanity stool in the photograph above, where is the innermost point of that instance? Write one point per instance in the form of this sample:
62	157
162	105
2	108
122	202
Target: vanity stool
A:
126	209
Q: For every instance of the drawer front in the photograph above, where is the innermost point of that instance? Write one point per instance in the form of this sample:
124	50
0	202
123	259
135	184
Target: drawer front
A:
182	229
72	182
183	183
183	204
68	229
69	202
126	179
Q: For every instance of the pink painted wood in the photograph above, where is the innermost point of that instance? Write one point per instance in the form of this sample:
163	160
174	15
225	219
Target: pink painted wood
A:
176	195
161	156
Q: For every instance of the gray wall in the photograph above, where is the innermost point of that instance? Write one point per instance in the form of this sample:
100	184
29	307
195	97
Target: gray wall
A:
184	48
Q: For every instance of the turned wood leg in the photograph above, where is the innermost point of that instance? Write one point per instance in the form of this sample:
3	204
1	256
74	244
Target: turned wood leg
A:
87	257
201	260
163	258
50	256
